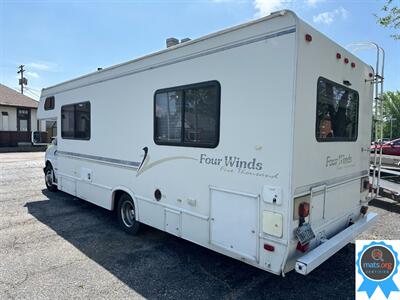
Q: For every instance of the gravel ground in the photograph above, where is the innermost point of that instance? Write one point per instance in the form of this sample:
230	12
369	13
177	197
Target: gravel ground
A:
53	245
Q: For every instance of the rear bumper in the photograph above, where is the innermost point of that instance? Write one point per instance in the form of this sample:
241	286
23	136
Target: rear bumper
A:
311	260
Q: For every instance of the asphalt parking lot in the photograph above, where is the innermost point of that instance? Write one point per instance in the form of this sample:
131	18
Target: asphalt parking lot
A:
55	246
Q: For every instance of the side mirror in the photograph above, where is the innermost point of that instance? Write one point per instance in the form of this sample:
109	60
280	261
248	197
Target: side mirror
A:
36	137
39	138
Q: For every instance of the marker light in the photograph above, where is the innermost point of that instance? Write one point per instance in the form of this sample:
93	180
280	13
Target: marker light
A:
346	60
370	74
308	37
338	55
269	247
353	65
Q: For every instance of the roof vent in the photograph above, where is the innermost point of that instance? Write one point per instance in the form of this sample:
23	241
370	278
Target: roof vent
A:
172	42
185	40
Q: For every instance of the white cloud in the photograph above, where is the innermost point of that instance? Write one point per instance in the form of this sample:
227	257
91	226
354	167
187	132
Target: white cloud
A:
265	7
32	74
42	66
313	3
329	16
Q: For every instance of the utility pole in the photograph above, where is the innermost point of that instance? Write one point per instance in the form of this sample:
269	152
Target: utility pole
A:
22	81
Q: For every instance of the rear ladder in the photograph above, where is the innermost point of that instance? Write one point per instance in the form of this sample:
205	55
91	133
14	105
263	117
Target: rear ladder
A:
377	107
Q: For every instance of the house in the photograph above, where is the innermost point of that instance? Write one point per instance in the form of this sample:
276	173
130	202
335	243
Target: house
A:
17	118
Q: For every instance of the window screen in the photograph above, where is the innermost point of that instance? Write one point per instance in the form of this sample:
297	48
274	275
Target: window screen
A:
75	121
337	112
188	116
49	103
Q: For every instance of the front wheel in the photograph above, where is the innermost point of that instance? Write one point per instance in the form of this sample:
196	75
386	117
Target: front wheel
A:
127	214
49	179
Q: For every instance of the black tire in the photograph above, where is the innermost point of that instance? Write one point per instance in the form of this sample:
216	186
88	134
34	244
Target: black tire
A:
126	213
49	178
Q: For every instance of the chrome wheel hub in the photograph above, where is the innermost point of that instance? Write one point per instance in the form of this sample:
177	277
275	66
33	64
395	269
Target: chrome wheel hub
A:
128	214
49	177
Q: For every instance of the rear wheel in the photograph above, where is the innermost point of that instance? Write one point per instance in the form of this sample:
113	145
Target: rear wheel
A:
127	214
49	179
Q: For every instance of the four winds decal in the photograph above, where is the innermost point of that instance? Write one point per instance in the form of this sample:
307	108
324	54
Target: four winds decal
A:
227	164
146	164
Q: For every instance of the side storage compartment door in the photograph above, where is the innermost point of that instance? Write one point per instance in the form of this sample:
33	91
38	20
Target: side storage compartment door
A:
173	222
234	222
67	185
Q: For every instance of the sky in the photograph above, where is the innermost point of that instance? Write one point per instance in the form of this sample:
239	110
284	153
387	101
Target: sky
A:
60	40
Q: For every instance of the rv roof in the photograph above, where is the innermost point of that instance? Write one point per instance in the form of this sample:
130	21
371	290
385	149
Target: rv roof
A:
272	15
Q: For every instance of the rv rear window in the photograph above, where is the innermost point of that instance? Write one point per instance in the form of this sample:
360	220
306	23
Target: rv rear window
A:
188	115
337	112
75	121
49	103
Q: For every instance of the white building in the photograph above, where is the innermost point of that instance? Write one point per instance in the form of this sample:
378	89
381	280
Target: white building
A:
17	117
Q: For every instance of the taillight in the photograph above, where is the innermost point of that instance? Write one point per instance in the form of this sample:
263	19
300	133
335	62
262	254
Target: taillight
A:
304	209
302	248
364	210
364	184
301	207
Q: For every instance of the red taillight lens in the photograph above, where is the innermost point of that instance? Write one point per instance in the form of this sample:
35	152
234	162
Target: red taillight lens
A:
302	248
364	184
304	209
353	65
308	37
346	60
338	56
269	247
364	210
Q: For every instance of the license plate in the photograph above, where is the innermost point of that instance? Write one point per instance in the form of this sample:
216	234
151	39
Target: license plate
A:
304	233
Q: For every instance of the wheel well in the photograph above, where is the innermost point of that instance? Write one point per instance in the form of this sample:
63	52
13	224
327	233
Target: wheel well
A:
116	196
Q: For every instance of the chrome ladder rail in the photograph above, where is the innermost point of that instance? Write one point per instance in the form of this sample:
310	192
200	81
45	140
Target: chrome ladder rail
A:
377	107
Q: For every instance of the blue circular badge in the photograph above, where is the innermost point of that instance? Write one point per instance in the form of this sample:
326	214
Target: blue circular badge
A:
377	263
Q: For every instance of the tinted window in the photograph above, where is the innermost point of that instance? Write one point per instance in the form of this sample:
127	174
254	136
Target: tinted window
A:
49	103
188	116
337	112
169	117
75	121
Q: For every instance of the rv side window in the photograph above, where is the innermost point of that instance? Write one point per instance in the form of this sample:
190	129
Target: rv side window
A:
337	112
188	115
75	121
49	103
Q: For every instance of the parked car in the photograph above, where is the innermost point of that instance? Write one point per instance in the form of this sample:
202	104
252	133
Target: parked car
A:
384	141
389	148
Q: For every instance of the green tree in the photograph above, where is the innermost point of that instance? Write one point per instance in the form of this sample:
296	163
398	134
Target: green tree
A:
391	106
390	17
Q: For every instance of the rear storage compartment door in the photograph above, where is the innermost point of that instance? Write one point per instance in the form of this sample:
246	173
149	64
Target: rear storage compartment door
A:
328	203
234	222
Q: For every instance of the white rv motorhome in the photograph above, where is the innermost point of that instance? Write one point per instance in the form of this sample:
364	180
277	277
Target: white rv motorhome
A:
252	141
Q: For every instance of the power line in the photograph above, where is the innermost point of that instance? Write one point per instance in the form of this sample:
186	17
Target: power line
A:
33	91
36	90
31	94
